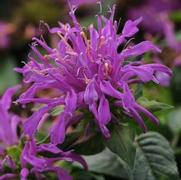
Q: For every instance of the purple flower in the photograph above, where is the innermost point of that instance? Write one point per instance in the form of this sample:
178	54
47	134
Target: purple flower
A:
155	15
42	164
8	121
8	176
177	61
8	134
5	31
86	70
7	161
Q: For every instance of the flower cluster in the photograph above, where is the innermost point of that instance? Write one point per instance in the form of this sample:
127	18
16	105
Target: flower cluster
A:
34	159
88	71
158	13
42	164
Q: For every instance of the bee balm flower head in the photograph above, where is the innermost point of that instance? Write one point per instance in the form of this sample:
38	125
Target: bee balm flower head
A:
87	70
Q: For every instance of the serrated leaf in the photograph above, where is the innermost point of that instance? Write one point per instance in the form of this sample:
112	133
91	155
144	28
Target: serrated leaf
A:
153	105
174	120
106	163
154	158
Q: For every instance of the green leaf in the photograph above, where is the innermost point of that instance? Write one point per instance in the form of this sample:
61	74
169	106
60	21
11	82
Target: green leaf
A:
153	105
154	158
42	138
176	16
82	144
139	91
121	143
106	163
88	147
174	120
80	174
14	152
69	140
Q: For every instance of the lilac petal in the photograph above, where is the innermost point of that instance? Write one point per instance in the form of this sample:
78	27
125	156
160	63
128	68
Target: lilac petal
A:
43	44
71	101
31	124
7	97
9	162
162	78
35	100
30	93
5	131
139	49
128	100
130	27
24	174
94	36
50	148
15	120
138	119
160	68
90	95
58	131
105	131
170	34
70	156
102	127
148	114
108	89
8	176
144	73
104	114
28	156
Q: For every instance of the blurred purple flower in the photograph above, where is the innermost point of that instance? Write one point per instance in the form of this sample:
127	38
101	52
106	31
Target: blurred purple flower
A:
164	78
41	164
8	121
5	31
155	15
177	61
8	133
87	72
